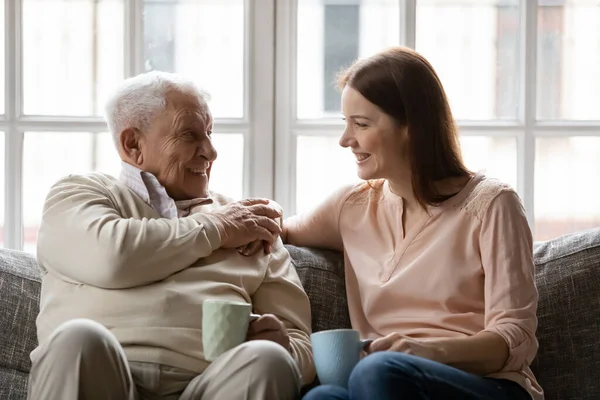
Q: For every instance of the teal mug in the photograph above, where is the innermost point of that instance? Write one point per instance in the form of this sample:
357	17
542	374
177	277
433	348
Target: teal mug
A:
336	353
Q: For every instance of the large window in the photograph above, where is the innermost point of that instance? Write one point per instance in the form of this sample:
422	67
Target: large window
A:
521	76
63	57
522	79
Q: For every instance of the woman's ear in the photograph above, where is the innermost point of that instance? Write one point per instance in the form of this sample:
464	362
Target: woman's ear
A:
130	141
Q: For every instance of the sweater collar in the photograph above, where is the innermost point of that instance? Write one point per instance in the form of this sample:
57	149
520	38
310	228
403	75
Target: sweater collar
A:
149	189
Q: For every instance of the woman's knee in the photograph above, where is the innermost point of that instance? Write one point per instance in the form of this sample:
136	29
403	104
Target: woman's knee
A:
384	366
327	392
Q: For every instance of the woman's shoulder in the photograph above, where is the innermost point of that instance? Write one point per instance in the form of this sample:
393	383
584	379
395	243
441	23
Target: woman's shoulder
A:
365	192
483	195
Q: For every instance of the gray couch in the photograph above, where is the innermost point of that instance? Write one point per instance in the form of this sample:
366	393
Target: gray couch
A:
568	279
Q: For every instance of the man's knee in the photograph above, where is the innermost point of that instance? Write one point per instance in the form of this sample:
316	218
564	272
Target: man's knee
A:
270	359
81	337
269	356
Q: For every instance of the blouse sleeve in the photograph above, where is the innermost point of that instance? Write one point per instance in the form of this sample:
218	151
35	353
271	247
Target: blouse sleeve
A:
318	227
510	293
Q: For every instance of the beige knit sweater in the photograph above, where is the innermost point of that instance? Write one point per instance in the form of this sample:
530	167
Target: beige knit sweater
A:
106	255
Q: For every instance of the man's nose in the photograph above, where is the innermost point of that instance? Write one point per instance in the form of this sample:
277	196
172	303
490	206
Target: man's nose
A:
207	150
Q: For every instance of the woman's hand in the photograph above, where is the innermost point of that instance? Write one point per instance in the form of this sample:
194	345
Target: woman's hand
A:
480	354
397	342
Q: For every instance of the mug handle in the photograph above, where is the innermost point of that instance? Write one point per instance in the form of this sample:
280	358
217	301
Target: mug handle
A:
365	343
253	317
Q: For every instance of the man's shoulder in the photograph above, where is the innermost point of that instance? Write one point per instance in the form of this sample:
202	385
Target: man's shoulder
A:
92	182
90	178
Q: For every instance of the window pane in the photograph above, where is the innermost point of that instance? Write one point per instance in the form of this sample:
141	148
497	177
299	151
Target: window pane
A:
319	162
2	24
202	40
568	58
496	156
331	35
567	193
49	156
72	55
107	158
2	189
227	173
474	47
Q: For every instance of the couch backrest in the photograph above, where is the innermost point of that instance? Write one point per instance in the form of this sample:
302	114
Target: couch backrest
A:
567	276
568	280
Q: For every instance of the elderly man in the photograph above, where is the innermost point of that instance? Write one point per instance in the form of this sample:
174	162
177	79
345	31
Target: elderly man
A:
128	262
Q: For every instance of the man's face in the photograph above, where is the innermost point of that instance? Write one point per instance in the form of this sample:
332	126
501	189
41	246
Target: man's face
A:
178	149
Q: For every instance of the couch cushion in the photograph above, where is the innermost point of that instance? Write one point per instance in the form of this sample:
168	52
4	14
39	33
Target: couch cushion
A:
568	280
19	305
322	275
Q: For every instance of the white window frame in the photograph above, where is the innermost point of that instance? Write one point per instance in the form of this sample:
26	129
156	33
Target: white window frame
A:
270	125
257	125
526	129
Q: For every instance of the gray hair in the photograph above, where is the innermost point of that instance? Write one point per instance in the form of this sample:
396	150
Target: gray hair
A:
138	100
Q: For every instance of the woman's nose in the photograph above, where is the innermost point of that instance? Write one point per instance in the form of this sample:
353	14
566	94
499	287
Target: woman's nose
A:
345	139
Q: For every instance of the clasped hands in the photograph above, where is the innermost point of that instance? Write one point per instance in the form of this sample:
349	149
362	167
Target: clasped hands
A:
397	342
248	225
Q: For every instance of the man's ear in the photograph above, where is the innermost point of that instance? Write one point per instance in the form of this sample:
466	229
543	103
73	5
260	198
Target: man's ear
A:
130	140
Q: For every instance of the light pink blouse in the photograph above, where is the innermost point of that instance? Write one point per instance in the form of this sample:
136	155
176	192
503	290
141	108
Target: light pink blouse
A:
466	267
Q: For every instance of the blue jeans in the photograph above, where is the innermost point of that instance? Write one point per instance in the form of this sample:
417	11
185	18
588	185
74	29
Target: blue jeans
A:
392	375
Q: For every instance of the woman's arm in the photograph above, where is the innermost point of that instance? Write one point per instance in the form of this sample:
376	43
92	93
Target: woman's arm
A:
511	297
508	342
481	354
320	226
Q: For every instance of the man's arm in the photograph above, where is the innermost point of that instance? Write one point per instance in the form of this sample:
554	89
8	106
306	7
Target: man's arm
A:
84	239
282	295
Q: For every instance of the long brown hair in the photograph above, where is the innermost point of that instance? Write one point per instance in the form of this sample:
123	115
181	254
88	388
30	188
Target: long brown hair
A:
404	85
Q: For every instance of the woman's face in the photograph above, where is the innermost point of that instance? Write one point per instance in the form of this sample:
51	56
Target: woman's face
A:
378	143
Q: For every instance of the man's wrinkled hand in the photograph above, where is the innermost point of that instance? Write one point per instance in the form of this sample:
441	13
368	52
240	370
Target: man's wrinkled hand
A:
257	245
246	221
269	327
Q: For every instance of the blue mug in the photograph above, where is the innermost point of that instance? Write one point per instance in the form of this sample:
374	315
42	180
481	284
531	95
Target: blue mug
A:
336	353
